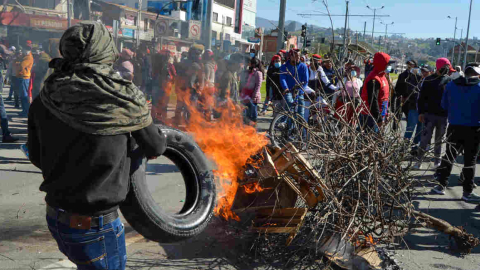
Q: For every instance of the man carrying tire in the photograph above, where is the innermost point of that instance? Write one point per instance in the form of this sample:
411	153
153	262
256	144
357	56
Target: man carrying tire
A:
80	133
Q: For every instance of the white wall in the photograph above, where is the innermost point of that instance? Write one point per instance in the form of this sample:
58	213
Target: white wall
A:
223	12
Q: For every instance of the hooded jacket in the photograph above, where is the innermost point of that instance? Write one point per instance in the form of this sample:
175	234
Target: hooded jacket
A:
375	92
460	99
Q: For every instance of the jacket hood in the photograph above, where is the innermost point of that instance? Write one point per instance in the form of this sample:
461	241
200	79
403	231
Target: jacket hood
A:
463	81
380	61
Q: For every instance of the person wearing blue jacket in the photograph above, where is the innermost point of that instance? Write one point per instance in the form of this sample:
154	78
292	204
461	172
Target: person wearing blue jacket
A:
461	100
293	80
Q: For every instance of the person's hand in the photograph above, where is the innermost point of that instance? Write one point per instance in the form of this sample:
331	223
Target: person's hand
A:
421	118
286	91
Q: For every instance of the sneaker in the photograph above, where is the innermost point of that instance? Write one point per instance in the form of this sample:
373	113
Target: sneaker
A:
439	190
472	197
24	149
417	166
9	139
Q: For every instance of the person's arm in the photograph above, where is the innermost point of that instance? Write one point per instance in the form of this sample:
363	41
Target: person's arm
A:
304	76
283	78
268	82
400	85
445	103
151	140
33	142
326	81
373	88
421	101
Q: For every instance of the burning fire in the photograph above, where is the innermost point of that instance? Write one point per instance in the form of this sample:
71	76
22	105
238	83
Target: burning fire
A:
230	143
253	187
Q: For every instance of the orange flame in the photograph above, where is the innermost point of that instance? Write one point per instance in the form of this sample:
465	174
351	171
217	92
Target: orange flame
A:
230	144
253	187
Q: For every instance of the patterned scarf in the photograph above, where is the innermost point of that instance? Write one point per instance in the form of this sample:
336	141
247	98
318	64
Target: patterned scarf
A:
85	92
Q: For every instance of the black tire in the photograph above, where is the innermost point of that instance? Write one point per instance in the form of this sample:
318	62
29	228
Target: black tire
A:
298	134
144	214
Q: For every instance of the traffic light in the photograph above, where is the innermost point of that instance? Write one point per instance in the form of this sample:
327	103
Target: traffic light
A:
308	43
438	41
304	30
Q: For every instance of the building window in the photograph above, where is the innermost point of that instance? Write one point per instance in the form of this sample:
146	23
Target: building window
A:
215	17
228	3
227	37
229	21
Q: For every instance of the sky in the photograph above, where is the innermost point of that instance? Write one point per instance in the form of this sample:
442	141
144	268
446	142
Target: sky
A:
415	18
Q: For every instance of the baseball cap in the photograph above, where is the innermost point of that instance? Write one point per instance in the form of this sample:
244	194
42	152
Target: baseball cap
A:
316	57
475	66
412	62
426	68
441	62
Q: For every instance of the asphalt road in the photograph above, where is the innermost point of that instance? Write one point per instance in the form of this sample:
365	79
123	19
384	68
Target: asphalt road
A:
25	242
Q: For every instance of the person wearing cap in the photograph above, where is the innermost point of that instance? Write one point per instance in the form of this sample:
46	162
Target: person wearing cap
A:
163	77
431	112
293	80
274	94
6	134
283	55
228	85
409	93
375	95
318	81
11	78
22	74
329	86
210	68
40	68
461	100
400	88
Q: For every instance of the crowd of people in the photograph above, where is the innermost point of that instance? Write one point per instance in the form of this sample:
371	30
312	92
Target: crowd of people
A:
87	107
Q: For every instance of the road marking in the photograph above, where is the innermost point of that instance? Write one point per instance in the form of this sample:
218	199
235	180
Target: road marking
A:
130	238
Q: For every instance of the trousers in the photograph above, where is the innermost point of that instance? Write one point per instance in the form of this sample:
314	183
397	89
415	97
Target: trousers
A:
459	137
437	123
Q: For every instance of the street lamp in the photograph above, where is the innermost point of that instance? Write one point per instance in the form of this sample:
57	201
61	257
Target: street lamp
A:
454	34
386	27
374	14
466	40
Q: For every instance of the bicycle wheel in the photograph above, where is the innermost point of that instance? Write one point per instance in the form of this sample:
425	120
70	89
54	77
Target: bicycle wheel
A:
287	127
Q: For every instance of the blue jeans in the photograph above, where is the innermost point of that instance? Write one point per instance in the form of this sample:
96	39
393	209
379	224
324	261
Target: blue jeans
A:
413	125
3	112
252	111
100	247
289	103
21	86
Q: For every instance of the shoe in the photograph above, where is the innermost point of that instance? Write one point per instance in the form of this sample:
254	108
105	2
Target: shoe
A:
9	139
417	166
262	113
24	149
439	190
472	197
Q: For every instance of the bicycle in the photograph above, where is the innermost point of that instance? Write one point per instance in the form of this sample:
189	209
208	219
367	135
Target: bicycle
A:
288	126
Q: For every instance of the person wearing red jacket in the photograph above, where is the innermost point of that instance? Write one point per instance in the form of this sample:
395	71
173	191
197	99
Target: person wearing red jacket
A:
375	94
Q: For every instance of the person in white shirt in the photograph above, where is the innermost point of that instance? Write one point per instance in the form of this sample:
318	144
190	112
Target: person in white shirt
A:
347	98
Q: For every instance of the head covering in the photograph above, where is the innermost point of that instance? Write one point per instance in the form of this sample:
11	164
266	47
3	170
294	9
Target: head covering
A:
380	62
441	62
283	51
474	66
12	48
275	58
412	62
209	52
85	92
316	57
28	44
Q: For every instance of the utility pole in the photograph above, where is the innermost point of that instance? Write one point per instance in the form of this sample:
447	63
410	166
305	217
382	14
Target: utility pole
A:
454	35
386	28
345	35
460	47
364	29
139	19
260	54
281	24
69	13
374	14
466	40
208	26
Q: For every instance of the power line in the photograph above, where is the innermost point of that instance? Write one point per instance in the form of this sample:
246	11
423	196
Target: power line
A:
358	15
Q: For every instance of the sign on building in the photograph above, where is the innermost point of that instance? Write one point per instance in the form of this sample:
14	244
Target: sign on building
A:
161	27
194	29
